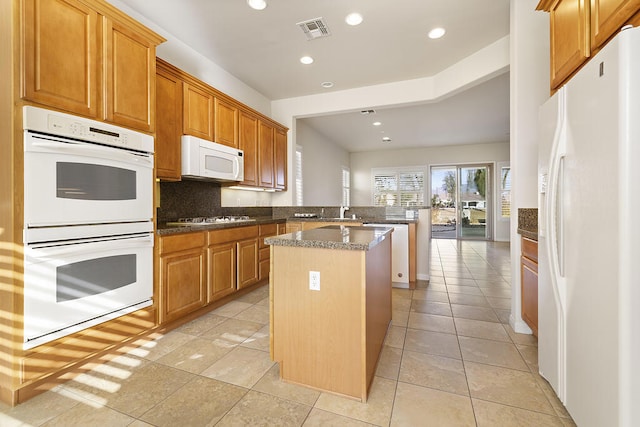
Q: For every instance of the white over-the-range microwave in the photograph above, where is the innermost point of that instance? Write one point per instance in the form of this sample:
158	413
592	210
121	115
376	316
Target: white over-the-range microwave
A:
202	159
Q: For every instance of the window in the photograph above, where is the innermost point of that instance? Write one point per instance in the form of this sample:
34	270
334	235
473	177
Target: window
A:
398	187
505	192
346	186
299	199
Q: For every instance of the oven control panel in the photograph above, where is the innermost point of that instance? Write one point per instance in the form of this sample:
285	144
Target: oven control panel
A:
62	124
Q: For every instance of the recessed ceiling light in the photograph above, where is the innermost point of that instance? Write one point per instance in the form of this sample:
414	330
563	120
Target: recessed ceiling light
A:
353	19
436	33
306	60
377	123
326	85
386	139
257	4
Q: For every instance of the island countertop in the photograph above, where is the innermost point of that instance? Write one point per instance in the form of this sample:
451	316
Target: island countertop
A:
357	238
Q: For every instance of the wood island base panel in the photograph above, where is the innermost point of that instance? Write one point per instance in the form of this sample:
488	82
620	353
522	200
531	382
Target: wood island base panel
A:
330	339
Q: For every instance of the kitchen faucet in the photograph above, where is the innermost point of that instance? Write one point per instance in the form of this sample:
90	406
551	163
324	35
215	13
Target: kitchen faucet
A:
342	210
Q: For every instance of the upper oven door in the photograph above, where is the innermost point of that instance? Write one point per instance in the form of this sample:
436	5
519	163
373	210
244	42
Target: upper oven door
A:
71	182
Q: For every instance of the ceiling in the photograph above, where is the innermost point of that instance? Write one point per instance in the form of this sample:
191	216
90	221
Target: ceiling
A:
263	48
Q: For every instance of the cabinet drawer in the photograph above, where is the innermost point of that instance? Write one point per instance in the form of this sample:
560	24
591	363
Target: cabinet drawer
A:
230	234
530	249
263	254
181	242
268	229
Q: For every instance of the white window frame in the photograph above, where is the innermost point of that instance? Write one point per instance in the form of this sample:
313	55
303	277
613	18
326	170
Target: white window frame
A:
299	181
397	171
346	186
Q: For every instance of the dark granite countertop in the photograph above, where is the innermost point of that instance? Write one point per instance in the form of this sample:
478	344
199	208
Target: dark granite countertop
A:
164	229
366	220
355	238
528	223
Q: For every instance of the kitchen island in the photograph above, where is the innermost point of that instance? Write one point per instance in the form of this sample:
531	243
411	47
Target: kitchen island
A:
330	306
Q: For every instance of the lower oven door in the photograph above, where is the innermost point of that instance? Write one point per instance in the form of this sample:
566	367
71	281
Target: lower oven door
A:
70	286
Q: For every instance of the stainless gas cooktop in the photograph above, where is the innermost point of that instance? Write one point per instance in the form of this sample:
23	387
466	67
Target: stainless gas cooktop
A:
200	220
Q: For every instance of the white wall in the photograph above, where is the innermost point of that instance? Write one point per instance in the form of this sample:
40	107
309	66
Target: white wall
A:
362	163
483	65
184	57
529	89
322	167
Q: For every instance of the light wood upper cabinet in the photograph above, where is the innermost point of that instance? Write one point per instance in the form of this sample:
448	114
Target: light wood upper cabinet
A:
61	59
226	123
88	58
570	42
280	159
266	148
168	123
579	28
197	112
607	16
130	77
248	142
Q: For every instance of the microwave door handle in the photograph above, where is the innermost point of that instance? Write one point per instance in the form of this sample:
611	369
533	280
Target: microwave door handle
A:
94	150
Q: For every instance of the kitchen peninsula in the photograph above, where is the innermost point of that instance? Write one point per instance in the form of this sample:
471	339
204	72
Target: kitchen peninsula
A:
330	305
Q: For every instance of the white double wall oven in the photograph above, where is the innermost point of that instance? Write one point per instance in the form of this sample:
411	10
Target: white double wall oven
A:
88	223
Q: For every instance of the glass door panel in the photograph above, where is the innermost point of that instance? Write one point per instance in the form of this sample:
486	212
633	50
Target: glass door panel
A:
472	206
443	202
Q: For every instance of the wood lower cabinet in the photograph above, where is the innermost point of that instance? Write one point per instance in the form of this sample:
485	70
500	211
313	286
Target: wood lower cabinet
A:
247	262
182	275
222	260
529	283
222	270
81	56
226	123
168	123
264	257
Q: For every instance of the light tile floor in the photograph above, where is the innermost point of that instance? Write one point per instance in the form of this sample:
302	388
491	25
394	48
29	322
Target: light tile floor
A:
450	359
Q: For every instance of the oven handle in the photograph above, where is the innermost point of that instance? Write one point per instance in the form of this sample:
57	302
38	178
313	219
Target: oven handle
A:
96	244
95	151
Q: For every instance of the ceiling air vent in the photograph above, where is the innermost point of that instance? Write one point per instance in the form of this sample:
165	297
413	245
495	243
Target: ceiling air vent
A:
314	28
367	112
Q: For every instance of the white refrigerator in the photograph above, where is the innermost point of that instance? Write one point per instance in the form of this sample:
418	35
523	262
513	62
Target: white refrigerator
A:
589	238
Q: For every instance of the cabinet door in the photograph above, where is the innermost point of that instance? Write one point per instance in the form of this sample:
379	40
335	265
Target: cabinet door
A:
570	45
608	16
226	123
282	228
280	159
265	155
168	125
197	112
182	279
292	227
529	278
222	270
247	262
130	77
61	55
248	142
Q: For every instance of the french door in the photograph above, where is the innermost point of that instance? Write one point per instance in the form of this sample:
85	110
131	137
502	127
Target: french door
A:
461	202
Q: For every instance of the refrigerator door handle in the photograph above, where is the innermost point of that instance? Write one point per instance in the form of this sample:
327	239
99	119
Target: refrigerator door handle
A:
554	247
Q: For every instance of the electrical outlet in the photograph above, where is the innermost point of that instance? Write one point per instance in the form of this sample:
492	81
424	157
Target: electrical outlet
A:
314	280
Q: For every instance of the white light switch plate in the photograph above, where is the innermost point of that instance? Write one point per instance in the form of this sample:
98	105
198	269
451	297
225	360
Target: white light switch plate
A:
314	280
